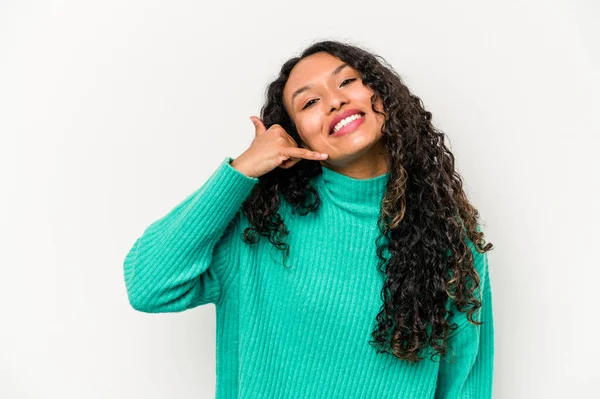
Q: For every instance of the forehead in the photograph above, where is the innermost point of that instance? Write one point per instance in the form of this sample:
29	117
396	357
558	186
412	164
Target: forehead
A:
312	66
308	71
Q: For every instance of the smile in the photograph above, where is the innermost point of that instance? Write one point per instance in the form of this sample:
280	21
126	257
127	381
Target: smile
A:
348	125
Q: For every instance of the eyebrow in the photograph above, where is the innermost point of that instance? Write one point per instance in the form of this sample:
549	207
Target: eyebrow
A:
303	89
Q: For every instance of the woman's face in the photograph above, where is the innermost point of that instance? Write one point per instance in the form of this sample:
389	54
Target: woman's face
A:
319	90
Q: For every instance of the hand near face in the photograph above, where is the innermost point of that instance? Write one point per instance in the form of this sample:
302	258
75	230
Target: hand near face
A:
271	148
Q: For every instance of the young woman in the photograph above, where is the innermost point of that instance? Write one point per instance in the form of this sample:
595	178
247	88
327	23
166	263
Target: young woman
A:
361	273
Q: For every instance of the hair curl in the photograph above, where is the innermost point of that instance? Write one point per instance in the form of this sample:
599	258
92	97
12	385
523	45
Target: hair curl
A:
425	216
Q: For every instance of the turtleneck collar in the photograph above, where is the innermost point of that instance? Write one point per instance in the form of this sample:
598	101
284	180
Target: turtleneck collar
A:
358	196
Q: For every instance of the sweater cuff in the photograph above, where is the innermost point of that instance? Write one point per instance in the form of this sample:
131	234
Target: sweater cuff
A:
240	183
222	194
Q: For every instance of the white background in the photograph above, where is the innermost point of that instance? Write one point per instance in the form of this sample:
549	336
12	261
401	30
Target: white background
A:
112	112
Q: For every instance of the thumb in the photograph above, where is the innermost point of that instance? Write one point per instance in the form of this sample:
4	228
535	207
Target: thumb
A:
258	125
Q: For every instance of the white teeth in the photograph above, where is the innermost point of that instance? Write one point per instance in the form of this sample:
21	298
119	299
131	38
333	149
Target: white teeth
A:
344	122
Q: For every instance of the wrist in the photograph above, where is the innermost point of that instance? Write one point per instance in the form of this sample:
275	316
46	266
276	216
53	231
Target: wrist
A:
239	167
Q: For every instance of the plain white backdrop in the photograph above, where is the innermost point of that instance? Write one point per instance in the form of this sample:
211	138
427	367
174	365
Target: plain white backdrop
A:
112	112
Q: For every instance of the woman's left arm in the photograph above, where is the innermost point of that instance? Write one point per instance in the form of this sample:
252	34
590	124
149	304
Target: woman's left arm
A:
470	374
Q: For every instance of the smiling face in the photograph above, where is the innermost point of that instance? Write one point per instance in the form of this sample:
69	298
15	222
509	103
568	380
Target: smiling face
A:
319	90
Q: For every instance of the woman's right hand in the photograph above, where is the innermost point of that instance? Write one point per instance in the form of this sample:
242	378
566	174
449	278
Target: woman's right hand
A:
271	148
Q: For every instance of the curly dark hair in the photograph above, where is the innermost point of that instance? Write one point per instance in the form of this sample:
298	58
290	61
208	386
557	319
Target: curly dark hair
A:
425	216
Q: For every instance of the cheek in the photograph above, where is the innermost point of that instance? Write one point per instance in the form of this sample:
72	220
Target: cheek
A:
363	93
309	127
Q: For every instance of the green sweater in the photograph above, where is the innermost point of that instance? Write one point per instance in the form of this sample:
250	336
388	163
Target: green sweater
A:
300	331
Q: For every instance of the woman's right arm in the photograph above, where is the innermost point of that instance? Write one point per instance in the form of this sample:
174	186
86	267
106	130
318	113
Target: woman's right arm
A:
176	264
181	260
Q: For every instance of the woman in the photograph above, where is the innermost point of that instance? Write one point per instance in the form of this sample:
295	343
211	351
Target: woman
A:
372	280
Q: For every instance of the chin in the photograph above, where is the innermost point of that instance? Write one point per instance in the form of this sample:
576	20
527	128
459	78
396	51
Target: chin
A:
357	140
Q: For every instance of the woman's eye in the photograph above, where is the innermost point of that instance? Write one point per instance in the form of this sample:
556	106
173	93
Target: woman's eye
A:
348	80
308	104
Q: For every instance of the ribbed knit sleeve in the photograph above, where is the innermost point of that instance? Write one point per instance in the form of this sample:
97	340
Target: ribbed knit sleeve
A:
470	375
176	264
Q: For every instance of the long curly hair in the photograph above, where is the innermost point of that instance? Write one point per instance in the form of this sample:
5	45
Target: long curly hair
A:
424	220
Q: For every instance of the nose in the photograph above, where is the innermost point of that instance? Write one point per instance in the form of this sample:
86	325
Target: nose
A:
336	99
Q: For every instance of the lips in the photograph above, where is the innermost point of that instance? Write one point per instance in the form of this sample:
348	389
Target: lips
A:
341	116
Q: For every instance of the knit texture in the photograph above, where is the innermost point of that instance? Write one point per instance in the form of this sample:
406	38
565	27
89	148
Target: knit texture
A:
300	331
